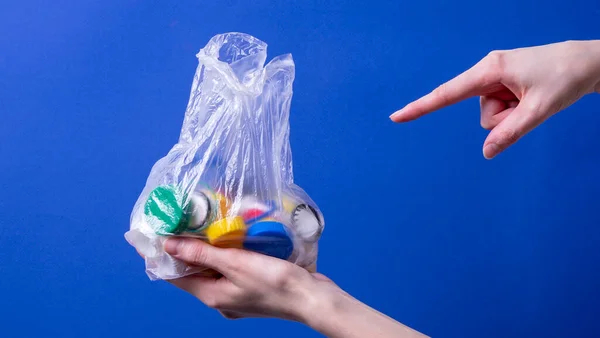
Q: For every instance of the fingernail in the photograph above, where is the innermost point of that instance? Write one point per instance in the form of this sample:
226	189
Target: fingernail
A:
490	150
171	245
396	117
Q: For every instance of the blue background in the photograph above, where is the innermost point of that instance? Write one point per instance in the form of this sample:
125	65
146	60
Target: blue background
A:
419	225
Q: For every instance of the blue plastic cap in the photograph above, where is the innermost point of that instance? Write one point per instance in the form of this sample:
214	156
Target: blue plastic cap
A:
269	238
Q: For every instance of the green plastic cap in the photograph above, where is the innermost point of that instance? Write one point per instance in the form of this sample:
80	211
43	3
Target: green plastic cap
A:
164	211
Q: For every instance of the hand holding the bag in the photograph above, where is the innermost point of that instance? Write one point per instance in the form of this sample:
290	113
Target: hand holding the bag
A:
255	285
252	285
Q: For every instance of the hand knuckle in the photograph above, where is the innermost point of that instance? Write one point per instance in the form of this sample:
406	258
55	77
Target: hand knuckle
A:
233	260
281	282
496	57
238	295
494	65
195	252
211	301
218	301
442	93
537	107
283	278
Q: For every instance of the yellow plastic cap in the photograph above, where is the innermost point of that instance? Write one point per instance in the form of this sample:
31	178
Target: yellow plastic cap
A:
227	232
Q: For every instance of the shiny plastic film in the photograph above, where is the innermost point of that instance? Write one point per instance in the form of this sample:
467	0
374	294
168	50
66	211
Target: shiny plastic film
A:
229	179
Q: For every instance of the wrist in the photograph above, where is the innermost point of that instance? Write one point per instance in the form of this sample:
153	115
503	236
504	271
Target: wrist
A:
595	54
334	313
320	302
585	65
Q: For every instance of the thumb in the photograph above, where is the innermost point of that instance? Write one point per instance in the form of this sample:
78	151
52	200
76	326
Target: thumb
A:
199	253
522	120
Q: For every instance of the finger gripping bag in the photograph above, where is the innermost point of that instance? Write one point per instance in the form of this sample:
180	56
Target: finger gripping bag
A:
229	179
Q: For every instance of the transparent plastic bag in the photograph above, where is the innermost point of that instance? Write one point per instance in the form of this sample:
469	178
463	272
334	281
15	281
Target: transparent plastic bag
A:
229	179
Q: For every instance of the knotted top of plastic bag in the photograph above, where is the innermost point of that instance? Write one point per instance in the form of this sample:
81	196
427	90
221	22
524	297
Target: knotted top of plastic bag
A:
234	142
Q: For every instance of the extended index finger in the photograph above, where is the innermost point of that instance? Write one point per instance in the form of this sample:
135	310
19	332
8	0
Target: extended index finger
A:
472	82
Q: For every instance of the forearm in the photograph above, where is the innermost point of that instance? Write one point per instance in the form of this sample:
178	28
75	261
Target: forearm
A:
580	63
336	314
595	47
595	54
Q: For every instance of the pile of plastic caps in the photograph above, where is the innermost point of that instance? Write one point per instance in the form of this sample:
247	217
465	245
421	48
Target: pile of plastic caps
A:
267	227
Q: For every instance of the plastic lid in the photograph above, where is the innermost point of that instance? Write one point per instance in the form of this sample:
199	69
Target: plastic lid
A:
307	223
253	210
163	210
269	238
226	232
199	210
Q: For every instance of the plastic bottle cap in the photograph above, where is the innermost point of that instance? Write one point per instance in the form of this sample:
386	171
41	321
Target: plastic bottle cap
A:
269	238
252	214
253	210
288	203
200	210
307	223
163	210
229	232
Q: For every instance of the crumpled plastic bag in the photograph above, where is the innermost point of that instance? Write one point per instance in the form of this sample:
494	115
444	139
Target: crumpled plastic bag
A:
229	179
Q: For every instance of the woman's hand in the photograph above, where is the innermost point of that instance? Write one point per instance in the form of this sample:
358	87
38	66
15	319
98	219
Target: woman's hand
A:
519	89
254	285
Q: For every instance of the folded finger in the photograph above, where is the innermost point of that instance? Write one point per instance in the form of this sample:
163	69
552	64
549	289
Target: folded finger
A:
490	106
517	123
494	111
